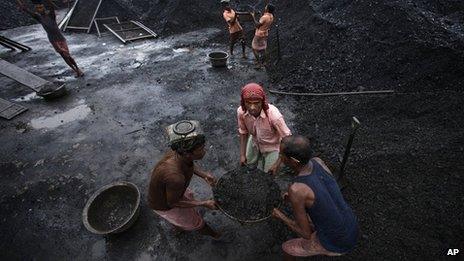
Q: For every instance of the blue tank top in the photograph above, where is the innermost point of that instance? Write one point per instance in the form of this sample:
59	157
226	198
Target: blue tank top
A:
333	220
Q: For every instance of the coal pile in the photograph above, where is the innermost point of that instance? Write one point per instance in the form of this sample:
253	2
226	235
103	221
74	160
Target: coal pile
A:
174	16
247	194
370	45
12	17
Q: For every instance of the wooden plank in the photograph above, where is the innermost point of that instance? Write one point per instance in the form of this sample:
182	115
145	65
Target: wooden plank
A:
9	110
22	76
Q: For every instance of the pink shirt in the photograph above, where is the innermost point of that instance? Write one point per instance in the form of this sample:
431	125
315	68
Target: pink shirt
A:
267	131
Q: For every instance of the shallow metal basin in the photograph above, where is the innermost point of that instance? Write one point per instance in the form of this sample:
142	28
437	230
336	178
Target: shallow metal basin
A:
112	209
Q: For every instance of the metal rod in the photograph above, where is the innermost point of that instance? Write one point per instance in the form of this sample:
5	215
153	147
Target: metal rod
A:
139	37
96	26
113	32
93	17
103	19
128	29
278	43
331	93
355	124
66	18
145	28
20	46
71	12
7	45
77	27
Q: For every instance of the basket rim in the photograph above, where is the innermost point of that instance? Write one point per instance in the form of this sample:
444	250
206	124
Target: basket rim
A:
221	52
100	191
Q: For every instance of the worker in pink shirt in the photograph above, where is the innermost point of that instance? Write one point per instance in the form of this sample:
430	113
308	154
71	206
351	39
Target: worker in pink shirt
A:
235	29
261	127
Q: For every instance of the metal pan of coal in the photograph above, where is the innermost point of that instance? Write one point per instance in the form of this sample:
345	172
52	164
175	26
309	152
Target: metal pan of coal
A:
112	209
247	195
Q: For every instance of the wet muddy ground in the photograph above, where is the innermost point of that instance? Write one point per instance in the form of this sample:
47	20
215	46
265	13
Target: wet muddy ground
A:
109	128
405	172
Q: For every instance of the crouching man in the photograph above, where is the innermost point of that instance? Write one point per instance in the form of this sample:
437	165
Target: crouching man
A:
168	192
324	221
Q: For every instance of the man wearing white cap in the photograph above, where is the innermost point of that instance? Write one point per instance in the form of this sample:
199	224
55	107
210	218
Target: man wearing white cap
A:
168	193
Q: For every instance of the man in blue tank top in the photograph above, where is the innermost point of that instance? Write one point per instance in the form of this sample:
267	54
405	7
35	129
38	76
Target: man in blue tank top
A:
323	220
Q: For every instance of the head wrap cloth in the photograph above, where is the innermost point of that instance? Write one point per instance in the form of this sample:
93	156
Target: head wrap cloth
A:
253	91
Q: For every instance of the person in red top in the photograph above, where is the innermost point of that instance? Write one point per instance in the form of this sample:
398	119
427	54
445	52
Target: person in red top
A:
47	19
235	29
261	127
259	43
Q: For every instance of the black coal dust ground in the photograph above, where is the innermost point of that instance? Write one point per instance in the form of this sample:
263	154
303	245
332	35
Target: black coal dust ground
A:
109	128
405	172
247	195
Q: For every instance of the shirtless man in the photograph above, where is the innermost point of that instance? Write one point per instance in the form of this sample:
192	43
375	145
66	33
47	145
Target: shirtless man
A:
168	192
47	19
259	43
325	223
235	29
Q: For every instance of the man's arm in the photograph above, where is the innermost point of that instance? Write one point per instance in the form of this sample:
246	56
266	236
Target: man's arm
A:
233	20
243	144
51	8
301	224
175	198
207	176
281	127
257	23
242	129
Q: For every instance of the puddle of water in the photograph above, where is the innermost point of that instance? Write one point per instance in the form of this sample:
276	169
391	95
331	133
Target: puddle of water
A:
31	96
181	50
76	113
